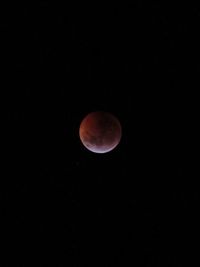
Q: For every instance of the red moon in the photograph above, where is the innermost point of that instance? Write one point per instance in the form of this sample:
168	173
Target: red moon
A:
100	132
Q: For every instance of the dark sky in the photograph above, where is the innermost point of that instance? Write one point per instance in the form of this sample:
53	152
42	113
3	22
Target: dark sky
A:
63	204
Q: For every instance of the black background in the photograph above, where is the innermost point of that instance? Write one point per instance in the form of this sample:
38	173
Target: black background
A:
63	205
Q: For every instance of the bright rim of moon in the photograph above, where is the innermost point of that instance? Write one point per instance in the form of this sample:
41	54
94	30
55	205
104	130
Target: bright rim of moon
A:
100	150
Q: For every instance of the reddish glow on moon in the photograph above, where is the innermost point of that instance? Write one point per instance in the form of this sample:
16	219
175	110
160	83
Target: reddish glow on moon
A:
100	132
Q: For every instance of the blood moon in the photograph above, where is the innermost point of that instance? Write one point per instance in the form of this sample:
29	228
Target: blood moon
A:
100	132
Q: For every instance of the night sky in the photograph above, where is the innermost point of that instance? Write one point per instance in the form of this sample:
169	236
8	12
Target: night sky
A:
63	205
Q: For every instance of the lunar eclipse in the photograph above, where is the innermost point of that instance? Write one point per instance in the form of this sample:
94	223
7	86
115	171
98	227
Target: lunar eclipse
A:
100	132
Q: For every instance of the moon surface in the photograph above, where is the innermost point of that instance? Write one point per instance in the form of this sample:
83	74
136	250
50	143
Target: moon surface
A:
100	132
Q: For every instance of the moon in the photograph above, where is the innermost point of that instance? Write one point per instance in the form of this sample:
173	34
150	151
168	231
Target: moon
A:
100	132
